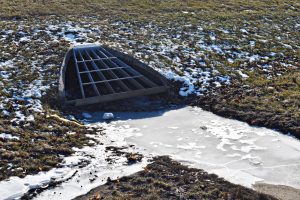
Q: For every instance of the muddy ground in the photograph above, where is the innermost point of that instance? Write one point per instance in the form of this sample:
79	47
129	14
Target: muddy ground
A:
168	179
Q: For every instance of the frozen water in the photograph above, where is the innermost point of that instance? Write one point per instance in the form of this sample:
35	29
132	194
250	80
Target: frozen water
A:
232	149
77	179
229	148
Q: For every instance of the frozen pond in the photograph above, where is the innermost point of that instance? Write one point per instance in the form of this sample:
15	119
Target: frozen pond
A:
232	149
77	179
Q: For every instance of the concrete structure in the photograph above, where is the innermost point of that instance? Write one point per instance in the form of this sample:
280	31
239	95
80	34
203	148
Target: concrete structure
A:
94	74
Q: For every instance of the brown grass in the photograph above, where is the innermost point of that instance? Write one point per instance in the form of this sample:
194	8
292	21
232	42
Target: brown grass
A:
151	9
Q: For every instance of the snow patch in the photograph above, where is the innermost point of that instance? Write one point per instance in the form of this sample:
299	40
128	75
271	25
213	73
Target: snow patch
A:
8	136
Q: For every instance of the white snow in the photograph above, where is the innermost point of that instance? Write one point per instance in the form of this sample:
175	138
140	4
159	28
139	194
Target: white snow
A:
242	74
252	43
6	113
78	180
6	63
212	37
189	81
30	118
254	58
243	30
70	37
8	136
230	60
25	39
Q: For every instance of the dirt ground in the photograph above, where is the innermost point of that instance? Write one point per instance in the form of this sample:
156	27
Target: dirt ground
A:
168	179
280	191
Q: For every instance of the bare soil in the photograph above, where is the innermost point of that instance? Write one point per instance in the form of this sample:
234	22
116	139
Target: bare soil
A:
168	179
279	191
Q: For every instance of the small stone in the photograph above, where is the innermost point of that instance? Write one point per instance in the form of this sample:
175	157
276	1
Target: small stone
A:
108	116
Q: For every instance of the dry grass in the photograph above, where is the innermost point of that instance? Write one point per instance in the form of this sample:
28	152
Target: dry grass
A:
40	147
151	9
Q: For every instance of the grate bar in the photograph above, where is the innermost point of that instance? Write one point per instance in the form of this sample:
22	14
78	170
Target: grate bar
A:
92	59
78	75
102	54
147	82
100	70
124	78
134	72
90	76
145	79
124	73
120	83
102	77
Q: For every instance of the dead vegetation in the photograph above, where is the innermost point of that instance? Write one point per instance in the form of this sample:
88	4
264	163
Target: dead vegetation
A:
41	145
167	179
148	10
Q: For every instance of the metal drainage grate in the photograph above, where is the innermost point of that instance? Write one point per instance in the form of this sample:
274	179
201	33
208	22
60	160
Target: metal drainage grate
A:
93	74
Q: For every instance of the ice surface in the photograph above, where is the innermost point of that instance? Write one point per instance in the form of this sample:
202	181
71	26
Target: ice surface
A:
232	149
78	180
